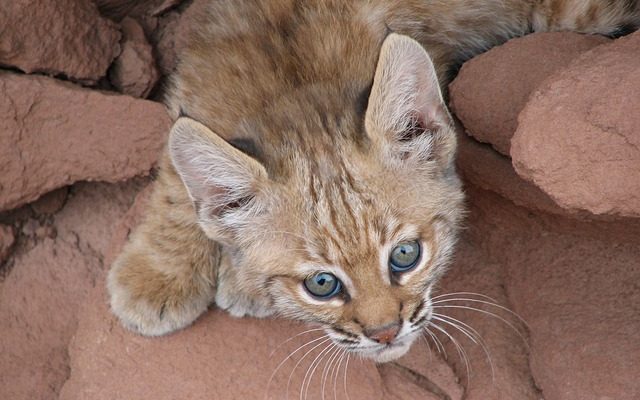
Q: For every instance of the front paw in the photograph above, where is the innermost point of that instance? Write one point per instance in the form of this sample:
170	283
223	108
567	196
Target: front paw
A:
153	304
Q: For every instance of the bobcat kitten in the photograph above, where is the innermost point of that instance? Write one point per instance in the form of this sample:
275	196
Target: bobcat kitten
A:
310	171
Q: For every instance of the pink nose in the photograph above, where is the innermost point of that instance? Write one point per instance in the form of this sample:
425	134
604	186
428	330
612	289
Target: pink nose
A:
384	334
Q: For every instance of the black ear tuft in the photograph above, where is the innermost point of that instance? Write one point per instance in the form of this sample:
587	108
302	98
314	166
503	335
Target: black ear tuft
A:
362	101
248	147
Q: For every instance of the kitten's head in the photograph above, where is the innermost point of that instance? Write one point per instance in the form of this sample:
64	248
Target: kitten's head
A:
338	216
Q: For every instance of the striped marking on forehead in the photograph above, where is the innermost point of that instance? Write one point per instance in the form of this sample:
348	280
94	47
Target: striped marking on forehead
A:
341	221
347	225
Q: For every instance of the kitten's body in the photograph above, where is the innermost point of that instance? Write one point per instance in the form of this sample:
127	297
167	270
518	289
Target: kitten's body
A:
327	169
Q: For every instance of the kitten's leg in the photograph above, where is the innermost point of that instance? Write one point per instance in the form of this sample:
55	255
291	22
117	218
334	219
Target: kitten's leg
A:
460	29
612	18
165	276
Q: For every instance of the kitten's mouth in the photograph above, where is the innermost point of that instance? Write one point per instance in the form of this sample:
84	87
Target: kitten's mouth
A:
391	351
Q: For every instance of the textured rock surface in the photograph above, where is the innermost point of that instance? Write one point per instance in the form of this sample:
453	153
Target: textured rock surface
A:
53	134
67	37
134	72
50	279
578	137
497	367
218	357
491	90
575	283
421	374
490	170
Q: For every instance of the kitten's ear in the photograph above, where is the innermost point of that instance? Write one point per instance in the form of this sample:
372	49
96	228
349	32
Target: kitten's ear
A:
221	180
406	112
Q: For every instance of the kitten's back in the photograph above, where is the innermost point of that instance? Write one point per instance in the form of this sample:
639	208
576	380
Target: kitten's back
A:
241	55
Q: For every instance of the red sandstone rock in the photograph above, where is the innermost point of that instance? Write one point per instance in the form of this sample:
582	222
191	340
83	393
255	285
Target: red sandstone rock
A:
421	374
134	72
86	202
492	88
65	37
53	134
490	170
578	137
30	227
218	357
575	283
39	299
36	230
500	370
126	225
7	239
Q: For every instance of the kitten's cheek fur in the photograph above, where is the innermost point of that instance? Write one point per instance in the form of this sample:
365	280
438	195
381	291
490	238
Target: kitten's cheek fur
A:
239	304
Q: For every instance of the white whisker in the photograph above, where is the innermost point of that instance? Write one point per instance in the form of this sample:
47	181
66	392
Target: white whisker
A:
302	358
484	296
337	373
346	366
291	355
293	337
506	309
437	342
424	339
312	369
327	368
472	337
461	352
471	333
487	313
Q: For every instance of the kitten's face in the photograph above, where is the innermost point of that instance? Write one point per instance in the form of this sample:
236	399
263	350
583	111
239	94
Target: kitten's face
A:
358	253
334	221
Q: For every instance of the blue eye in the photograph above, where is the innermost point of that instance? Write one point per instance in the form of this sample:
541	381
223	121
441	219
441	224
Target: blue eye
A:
404	256
323	285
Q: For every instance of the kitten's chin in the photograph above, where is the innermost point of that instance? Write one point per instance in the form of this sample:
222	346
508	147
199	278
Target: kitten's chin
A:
390	353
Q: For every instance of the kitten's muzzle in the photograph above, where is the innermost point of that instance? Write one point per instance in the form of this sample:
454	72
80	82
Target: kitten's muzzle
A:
384	334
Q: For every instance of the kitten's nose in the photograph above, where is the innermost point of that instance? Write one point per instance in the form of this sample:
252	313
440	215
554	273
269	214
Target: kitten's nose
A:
384	334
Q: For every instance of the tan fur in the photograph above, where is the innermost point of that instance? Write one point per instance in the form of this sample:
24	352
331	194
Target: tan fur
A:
321	141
